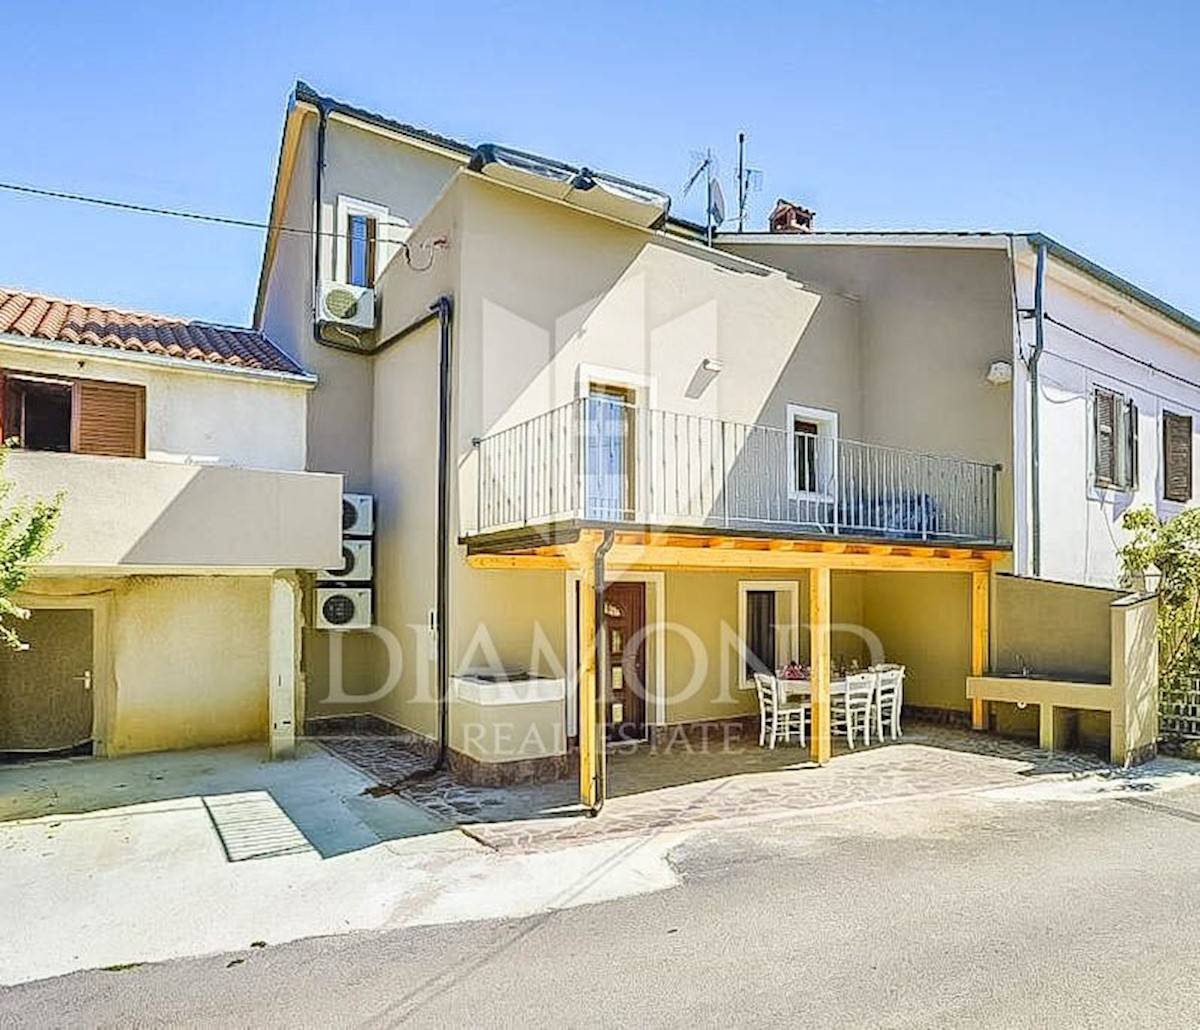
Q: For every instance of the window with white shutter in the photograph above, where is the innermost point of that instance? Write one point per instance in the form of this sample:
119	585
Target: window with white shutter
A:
1115	447
1177	456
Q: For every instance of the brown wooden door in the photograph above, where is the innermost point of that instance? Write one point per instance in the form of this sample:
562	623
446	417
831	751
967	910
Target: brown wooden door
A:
625	689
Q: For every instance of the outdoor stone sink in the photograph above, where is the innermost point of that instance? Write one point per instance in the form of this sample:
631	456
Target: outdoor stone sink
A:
1082	678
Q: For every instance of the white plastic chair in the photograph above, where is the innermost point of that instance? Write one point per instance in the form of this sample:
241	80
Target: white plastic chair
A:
778	717
889	699
852	708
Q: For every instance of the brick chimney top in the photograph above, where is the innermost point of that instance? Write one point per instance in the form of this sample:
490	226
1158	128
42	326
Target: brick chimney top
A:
789	217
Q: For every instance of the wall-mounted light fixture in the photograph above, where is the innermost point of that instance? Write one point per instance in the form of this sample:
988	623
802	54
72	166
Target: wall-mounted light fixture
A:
702	377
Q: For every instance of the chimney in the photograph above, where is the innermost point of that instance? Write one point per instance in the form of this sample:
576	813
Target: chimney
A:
789	217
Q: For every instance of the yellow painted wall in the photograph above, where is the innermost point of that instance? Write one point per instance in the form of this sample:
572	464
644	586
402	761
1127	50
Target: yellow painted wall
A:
186	661
702	603
923	620
1058	629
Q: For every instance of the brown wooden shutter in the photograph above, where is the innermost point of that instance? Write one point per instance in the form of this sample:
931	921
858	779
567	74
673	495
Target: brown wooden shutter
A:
1177	457
110	418
1106	451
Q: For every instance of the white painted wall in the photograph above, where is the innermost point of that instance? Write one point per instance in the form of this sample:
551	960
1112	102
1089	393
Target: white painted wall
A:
194	415
1141	355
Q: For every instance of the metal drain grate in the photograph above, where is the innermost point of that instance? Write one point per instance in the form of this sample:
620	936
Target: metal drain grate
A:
252	825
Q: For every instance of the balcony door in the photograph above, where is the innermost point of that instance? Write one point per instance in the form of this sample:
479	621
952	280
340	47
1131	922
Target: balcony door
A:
611	458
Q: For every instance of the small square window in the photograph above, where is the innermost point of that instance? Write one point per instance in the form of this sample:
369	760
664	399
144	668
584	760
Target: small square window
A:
813	466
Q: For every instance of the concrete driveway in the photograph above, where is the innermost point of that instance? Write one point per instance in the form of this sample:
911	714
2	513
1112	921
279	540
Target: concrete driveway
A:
147	858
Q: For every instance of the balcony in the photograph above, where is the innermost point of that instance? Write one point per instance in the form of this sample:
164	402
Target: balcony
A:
130	514
601	461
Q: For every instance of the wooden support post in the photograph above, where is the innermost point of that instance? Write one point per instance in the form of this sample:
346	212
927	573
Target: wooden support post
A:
819	593
980	587
591	734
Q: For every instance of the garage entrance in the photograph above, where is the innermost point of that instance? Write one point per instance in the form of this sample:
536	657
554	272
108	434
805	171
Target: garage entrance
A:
46	698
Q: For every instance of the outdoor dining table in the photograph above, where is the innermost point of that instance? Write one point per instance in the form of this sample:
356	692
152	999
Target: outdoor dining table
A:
803	688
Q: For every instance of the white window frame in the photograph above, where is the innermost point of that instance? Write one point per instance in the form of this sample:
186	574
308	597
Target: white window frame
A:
390	231
787	645
827	428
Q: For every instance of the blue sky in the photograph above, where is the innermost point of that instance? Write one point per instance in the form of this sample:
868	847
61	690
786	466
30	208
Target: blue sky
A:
1078	119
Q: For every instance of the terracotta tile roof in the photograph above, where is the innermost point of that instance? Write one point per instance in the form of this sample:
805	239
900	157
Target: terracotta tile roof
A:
66	321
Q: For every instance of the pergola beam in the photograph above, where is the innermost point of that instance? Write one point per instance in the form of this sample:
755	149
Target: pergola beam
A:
582	558
663	556
980	588
820	658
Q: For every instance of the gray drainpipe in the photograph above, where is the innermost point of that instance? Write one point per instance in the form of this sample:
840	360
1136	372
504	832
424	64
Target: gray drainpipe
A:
444	306
1035	462
319	240
601	668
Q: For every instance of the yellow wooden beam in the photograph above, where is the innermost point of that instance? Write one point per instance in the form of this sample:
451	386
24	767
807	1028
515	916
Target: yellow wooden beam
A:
591	746
651	556
518	561
819	607
980	594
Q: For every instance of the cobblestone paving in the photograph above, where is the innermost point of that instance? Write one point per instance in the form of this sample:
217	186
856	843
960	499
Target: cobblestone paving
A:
686	782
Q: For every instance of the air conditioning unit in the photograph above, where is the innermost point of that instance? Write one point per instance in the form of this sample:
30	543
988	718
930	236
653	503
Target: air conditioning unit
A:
358	514
343	608
348	305
356	564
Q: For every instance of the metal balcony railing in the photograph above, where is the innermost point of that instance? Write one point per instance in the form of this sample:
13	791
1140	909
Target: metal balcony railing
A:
602	460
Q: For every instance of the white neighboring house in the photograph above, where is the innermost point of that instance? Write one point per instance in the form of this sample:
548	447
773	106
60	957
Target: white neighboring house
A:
1117	376
169	615
1117	411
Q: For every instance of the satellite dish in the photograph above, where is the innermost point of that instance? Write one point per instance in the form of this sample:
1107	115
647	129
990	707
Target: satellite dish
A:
716	209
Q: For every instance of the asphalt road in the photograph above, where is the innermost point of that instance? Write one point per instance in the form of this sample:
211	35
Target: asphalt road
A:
951	913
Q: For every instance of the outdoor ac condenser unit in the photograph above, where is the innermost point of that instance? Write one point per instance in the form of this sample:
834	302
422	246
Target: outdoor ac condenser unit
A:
356	567
358	515
346	305
343	608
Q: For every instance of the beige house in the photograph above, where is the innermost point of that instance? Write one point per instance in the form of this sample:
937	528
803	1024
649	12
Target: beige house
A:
615	469
169	614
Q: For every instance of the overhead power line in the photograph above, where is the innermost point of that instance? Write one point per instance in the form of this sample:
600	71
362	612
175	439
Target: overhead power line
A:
193	216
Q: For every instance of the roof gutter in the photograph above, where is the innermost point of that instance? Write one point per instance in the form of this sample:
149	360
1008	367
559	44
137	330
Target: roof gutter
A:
1110	279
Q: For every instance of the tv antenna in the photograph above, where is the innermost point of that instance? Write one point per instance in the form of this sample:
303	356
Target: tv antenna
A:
705	163
749	180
